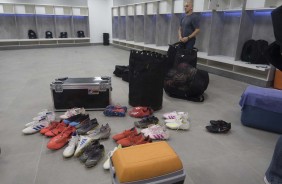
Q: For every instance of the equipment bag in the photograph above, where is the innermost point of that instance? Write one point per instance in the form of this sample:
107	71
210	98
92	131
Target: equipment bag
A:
186	82
146	76
274	55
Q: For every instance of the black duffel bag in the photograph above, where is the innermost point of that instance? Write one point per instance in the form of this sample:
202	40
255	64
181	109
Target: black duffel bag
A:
146	76
186	82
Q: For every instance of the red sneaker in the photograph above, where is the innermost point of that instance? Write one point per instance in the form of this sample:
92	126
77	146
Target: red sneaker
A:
52	125
144	140
59	128
130	140
62	139
140	112
125	133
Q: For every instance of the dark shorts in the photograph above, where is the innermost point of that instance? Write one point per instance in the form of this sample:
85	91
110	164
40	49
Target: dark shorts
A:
190	44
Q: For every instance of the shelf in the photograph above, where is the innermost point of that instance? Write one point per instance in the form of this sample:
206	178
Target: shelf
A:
178	6
45	10
152	8
130	10
140	9
165	7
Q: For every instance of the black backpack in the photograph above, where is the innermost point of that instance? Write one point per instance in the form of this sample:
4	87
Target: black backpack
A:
63	35
48	34
31	34
254	51
80	34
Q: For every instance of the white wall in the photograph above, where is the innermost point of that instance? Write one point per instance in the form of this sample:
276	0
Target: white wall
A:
100	19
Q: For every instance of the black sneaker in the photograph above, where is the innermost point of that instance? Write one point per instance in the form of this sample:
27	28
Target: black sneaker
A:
88	126
94	145
219	128
95	156
146	121
218	123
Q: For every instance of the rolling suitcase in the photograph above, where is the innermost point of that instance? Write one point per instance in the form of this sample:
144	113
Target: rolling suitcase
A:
93	93
153	163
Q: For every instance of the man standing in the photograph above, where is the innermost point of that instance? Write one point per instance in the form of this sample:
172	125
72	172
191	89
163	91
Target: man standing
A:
189	26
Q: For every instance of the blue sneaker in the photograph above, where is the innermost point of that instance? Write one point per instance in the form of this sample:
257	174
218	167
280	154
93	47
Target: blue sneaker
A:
119	111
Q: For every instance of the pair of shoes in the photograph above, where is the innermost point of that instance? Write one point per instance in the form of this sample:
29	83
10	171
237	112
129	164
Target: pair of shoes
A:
87	126
172	115
102	132
131	137
115	110
156	132
77	120
125	134
36	125
44	114
51	126
92	154
106	164
54	130
134	139
146	121
218	126
71	112
140	112
61	139
181	122
70	149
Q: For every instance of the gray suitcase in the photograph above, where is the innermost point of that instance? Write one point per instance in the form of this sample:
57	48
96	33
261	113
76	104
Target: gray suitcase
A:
177	177
93	93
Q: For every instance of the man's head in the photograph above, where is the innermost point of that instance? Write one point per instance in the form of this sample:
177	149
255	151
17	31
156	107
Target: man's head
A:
188	6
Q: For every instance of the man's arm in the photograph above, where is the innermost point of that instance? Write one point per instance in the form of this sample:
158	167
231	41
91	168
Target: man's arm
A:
179	34
185	39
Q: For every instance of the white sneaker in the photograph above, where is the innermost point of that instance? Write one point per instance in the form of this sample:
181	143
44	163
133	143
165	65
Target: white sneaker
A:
69	150
106	164
49	114
36	126
82	144
181	122
171	115
72	112
156	132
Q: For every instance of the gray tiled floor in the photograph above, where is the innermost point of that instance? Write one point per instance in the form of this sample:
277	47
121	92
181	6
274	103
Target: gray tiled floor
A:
239	157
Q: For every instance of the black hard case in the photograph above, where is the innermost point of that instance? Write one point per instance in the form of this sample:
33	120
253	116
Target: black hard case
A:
92	93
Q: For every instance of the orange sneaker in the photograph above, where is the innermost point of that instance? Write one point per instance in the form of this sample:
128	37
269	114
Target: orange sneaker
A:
59	128
131	140
52	125
62	139
140	112
125	133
